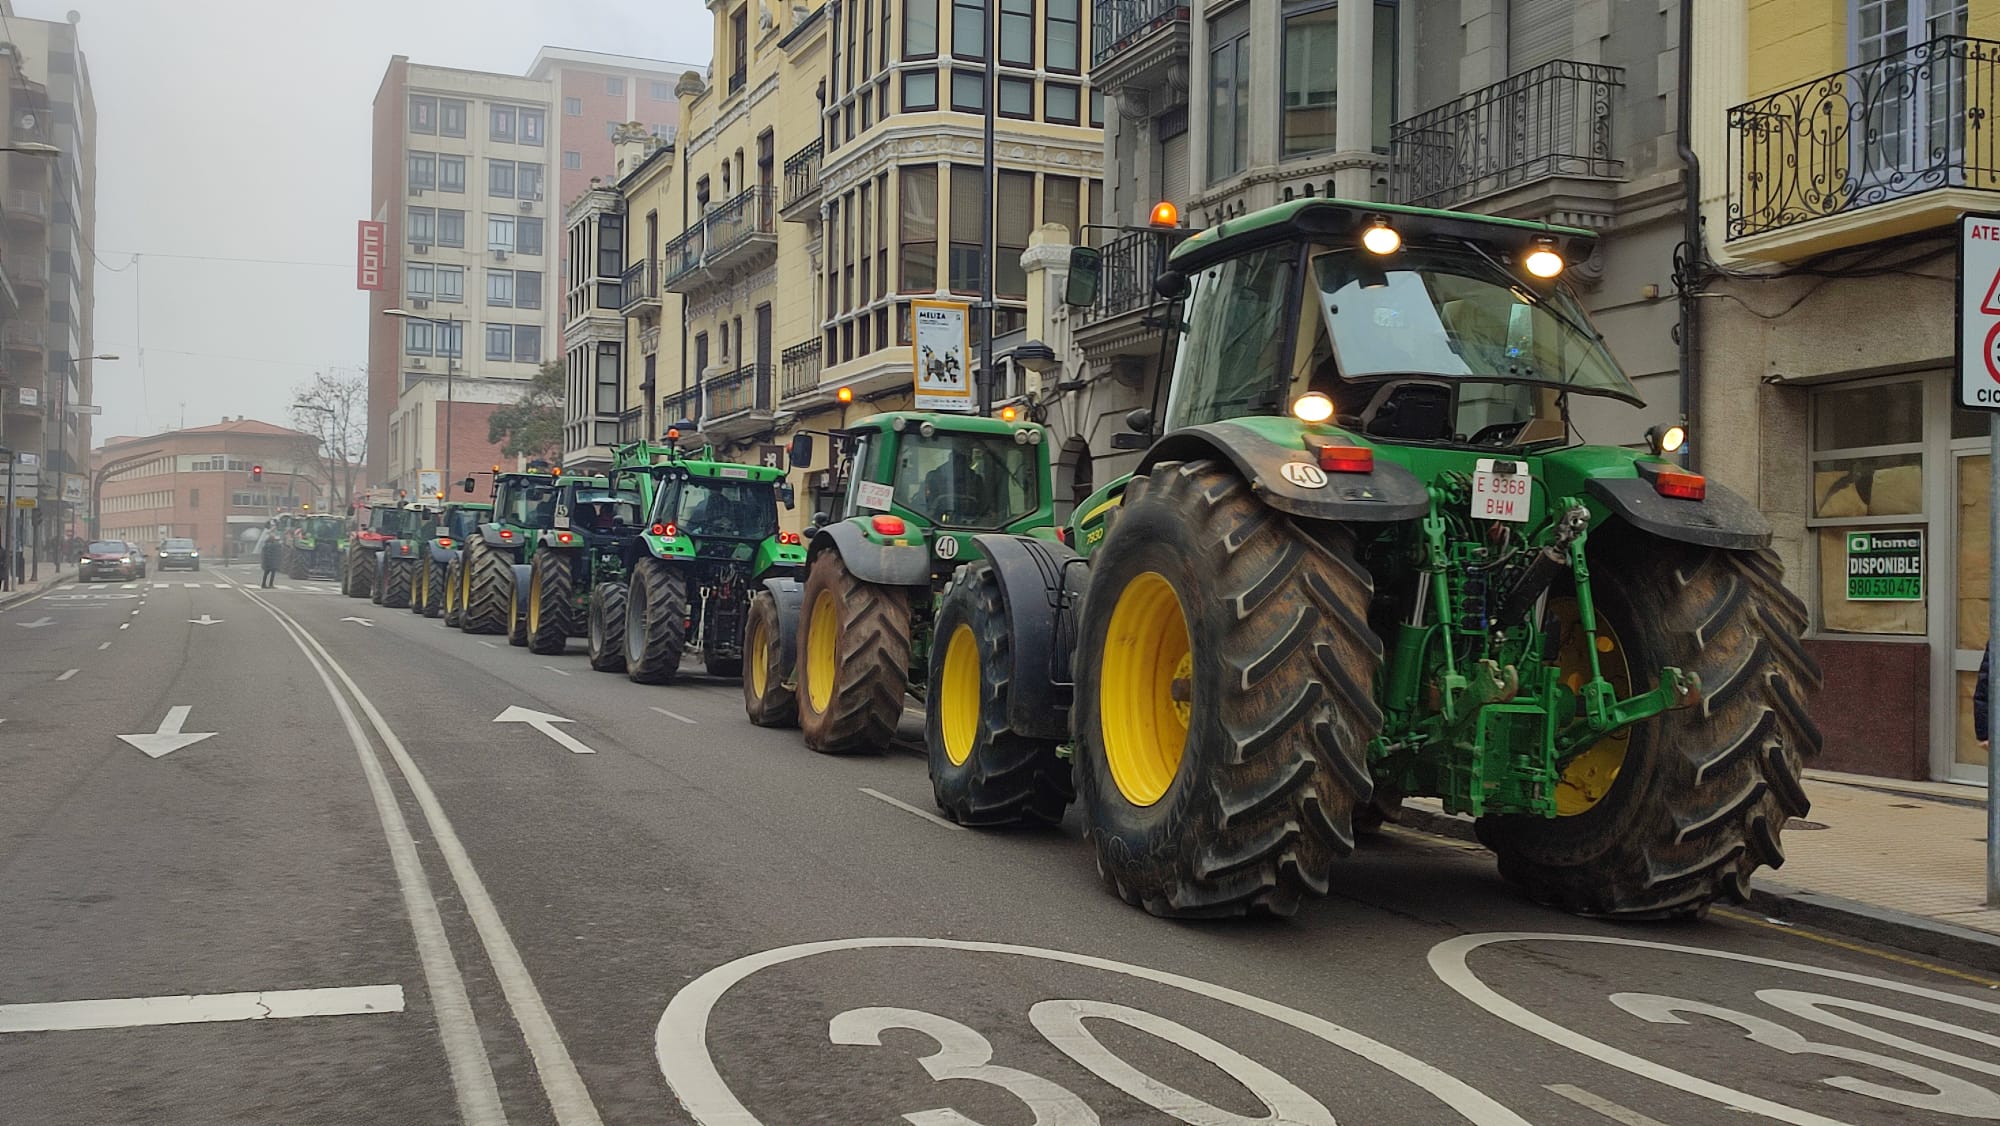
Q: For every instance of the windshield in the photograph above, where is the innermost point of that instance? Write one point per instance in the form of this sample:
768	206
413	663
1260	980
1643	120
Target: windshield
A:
394	521
462	522
966	480
726	509
180	545
323	526
602	510
108	547
526	504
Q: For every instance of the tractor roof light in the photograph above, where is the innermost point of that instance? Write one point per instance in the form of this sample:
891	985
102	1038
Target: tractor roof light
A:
887	525
1313	406
1666	438
845	394
1165	214
1008	414
1379	237
1543	260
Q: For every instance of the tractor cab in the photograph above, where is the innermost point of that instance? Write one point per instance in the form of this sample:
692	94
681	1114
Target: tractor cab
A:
526	500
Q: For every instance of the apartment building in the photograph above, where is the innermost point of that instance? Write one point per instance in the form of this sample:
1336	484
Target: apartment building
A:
1839	142
201	483
469	170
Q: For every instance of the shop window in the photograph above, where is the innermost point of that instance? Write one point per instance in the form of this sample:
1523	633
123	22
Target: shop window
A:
1868	515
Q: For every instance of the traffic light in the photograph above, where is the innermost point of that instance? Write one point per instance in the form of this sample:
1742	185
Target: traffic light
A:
257	473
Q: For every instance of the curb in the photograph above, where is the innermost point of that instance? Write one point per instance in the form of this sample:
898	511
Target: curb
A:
10	597
1848	917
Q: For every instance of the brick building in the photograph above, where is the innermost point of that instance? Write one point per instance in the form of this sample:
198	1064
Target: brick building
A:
200	484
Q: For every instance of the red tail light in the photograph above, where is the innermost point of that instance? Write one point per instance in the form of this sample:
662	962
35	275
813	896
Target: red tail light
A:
1347	459
887	525
658	529
1681	484
444	541
506	534
563	537
789	537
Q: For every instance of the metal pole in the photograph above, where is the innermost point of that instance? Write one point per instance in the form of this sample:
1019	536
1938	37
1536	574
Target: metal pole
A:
990	174
11	528
1992	635
444	482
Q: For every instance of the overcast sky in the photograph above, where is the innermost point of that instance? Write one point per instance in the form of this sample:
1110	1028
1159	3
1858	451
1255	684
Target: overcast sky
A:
206	148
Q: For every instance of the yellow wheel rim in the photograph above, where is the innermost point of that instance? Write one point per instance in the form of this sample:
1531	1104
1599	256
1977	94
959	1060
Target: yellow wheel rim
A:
534	607
760	652
1588	777
513	613
958	695
1146	690
821	628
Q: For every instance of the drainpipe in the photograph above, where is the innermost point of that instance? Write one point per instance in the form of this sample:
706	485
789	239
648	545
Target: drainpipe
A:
1692	262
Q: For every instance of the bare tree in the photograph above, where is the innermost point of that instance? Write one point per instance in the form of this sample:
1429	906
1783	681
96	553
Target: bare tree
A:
333	408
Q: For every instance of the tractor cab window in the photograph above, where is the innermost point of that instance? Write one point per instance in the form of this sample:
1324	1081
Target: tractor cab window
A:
397	522
724	508
1228	360
966	480
462	523
604	510
526	504
322	527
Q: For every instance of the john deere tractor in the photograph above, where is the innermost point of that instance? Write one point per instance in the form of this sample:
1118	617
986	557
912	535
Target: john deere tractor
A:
382	553
1367	559
312	547
710	539
456	522
493	570
841	653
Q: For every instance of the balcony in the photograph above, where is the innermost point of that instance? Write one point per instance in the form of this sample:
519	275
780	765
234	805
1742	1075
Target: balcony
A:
733	238
802	184
1552	122
798	371
641	287
737	402
681	406
632	426
23	336
27	207
1133	42
1894	145
1115	325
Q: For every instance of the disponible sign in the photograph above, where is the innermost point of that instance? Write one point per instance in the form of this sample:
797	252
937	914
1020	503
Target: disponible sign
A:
1885	566
938	349
368	256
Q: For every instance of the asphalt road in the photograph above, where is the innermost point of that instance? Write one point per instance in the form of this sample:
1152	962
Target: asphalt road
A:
363	900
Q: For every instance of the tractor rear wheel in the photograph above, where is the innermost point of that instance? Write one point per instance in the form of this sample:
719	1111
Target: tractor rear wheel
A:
981	772
435	584
607	627
398	580
655	622
420	572
357	577
769	699
551	605
1666	817
489	589
453	594
1224	698
854	659
721	656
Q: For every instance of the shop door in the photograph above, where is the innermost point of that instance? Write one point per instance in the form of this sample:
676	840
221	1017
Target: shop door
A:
1972	557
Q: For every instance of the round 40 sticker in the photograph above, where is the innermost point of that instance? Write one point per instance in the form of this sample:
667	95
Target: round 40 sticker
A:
947	547
1304	474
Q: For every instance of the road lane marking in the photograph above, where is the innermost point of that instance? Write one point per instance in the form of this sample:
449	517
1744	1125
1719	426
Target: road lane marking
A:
1605	1107
546	724
1856	947
67	675
200	1008
103	647
569	1100
44	620
205	620
673	715
555	670
129	586
489	645
124	625
169	738
192	586
220	586
906	807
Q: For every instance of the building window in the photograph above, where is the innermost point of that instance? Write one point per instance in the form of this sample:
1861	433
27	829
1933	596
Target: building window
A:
1017	97
1061	202
502	124
499	232
1060	103
528	180
965	252
451	227
739	34
450	338
968	91
451	174
1064	36
663	92
614	85
417	337
423	114
1013	218
423	226
917	238
573	107
530	236
451	117
423	170
527	344
920	29
500	342
968	29
1311	61
1867	481
417	281
451	283
1017	32
500	287
1097	109
527	289
609	378
1229	94
572	159
531	127
500	179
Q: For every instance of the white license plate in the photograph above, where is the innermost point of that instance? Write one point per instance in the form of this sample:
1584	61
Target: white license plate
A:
1501	496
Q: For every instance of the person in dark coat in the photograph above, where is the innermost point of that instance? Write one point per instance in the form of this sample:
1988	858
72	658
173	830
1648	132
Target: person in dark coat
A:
269	554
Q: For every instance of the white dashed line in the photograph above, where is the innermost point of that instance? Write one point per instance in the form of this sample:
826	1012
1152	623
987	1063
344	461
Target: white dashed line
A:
68	674
192	586
103	647
906	807
673	715
489	645
555	670
124	625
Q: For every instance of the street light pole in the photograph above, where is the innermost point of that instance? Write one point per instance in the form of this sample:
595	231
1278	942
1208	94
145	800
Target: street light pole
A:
989	173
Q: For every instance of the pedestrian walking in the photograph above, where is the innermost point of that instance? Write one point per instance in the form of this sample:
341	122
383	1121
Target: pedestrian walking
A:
269	553
1981	729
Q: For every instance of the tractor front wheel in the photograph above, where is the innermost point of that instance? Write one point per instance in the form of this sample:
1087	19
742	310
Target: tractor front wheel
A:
607	627
489	589
854	659
357	578
1224	698
551	605
454	594
655	622
1665	817
398	577
436	582
769	697
420	581
982	773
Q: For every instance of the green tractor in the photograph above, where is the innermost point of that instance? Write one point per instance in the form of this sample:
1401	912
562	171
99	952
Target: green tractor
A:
492	573
382	553
313	546
1368	559
711	538
841	652
431	595
582	560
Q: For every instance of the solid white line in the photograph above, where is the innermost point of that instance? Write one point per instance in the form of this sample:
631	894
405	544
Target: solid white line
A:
68	674
673	715
489	645
220	586
906	807
569	1099
1605	1107
200	1008
129	586
555	670
103	647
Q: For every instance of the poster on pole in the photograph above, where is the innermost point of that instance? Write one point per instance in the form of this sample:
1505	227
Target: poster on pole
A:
939	349
1978	344
429	483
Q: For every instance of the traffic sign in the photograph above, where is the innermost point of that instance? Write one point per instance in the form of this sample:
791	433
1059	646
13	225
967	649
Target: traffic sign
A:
24	502
1979	311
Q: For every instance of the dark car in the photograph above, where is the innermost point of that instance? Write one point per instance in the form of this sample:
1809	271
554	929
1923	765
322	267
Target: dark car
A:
110	559
179	553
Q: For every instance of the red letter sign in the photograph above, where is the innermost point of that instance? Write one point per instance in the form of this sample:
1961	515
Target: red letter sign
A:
368	266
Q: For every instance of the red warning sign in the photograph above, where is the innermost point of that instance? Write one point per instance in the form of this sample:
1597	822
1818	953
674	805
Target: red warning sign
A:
1978	317
1991	305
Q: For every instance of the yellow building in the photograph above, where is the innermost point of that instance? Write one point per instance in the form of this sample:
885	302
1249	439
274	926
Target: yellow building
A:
826	173
1839	141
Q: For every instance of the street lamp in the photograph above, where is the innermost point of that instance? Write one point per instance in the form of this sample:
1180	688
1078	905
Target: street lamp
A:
33	148
449	357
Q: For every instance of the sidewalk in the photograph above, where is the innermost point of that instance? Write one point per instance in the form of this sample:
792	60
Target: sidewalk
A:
51	575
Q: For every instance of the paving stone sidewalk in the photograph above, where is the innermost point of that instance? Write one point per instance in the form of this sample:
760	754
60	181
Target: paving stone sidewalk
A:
51	575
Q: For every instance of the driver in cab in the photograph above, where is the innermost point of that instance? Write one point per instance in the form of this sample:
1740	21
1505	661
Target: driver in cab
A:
957	490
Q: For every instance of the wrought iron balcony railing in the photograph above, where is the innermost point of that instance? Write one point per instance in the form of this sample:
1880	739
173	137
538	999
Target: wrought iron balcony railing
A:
1125	274
641	285
802	174
736	79
798	370
745	389
1553	120
680	406
1116	23
1896	126
711	239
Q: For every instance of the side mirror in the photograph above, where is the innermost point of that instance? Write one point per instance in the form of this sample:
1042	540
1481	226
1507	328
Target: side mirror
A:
468	484
821	519
1171	284
801	452
1086	267
1140	419
786	495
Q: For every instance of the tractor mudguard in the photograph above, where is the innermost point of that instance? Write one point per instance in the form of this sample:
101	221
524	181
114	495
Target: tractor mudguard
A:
881	564
491	534
790	595
1389	493
522	577
1034	573
442	555
1722	520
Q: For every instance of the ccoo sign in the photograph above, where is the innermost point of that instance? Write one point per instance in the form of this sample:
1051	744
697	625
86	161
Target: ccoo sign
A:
368	256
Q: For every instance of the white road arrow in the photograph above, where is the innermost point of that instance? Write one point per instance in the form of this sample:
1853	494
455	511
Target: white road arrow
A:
205	620
168	738
544	723
363	621
44	621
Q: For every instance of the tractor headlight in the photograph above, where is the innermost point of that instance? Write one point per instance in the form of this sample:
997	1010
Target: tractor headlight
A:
1543	261
1380	237
1312	407
1666	438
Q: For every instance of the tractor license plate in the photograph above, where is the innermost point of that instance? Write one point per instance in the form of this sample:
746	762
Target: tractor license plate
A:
1498	495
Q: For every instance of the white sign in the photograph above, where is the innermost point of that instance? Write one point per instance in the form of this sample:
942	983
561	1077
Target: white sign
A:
873	494
29	396
1979	311
72	485
1498	495
1304	474
938	350
429	483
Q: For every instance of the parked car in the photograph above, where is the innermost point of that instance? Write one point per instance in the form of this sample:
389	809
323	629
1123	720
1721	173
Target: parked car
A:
179	553
110	559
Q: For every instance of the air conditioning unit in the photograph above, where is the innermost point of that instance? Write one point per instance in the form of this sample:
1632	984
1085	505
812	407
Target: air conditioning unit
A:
420	302
416	193
499	256
417	362
528	205
420	248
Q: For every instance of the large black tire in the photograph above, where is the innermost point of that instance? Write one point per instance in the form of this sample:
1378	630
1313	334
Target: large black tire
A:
488	591
420	570
434	577
454	593
398	581
517	615
655	622
770	697
607	627
357	576
999	777
1260	622
551	601
1702	792
852	698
